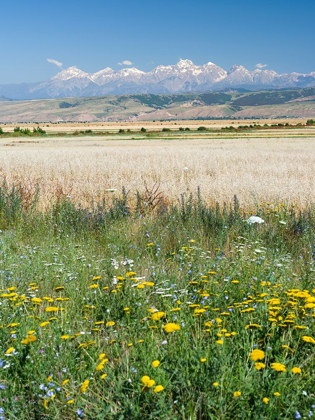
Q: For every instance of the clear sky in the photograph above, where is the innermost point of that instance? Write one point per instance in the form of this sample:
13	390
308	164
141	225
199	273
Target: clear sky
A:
95	34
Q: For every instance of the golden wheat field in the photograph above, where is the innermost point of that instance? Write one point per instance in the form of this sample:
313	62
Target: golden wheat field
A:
256	170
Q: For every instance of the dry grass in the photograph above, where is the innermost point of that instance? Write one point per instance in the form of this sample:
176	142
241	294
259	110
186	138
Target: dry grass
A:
257	170
150	125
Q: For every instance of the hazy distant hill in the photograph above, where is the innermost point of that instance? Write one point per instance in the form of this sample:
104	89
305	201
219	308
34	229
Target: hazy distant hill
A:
182	77
223	104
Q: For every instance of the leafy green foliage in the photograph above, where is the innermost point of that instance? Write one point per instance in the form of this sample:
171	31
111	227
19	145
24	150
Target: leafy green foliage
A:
82	286
65	104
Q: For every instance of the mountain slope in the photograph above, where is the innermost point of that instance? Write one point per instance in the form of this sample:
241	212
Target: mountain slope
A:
182	77
223	104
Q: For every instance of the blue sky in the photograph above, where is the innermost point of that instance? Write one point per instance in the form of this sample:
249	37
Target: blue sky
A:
95	34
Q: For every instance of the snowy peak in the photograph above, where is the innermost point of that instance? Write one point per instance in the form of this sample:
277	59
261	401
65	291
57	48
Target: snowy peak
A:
184	76
70	73
237	68
185	64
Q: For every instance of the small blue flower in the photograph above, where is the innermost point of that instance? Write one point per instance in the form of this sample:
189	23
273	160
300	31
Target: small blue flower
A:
80	412
297	415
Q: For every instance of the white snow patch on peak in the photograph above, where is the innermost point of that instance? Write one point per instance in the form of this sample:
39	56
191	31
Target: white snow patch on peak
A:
237	68
106	70
131	70
69	73
185	63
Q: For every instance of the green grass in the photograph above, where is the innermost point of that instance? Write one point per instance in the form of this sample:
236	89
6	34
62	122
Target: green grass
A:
205	270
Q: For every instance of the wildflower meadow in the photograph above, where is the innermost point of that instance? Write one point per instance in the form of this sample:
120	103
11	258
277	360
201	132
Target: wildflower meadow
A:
181	311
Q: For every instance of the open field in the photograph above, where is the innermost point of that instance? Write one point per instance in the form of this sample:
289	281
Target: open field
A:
257	170
127	293
68	127
182	312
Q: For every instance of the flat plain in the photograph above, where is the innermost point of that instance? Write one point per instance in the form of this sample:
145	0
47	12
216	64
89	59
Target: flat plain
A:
129	290
258	167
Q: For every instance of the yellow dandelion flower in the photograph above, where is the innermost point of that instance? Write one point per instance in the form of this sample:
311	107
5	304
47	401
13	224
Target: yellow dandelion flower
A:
171	327
103	376
215	384
14	324
145	379
158	388
36	300
157	316
54	309
84	386
257	355
266	400
156	363
276	394
100	366
64	337
296	370
308	339
219	342
203	360
250	326
237	394
110	323
31	338
279	367
150	383
259	366
65	382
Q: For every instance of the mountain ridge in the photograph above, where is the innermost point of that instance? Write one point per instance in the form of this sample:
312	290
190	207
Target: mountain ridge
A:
229	103
182	77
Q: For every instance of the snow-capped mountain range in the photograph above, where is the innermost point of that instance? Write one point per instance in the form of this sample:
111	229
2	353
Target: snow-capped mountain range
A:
182	77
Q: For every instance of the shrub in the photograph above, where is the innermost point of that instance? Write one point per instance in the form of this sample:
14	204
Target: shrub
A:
39	130
143	130
201	129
